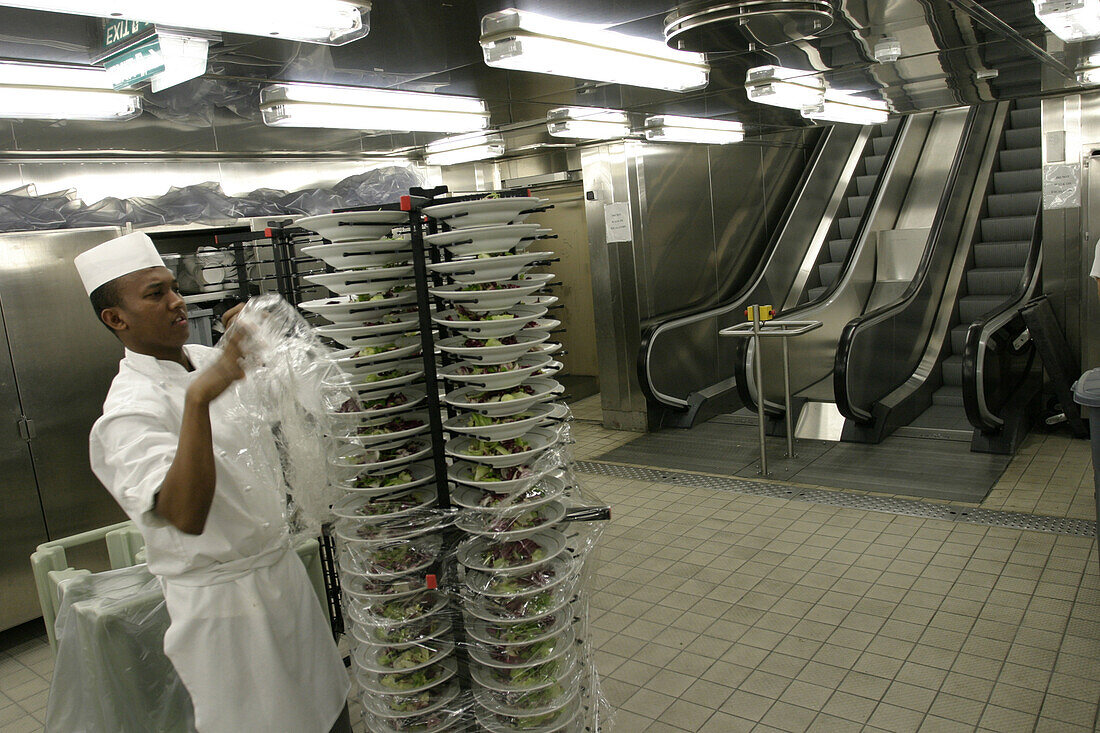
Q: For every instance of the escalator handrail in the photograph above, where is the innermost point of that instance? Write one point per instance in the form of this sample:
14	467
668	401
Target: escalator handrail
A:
860	324
980	331
741	369
649	331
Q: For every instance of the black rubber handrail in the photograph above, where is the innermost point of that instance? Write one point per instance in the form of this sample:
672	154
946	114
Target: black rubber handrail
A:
856	325
650	329
740	349
971	385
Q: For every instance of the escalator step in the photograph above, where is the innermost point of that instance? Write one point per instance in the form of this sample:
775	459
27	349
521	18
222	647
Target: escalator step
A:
1007	228
1022	159
864	184
973	307
838	249
857	205
1001	254
1026	117
881	145
889	128
948	395
953	371
1017	181
993	280
1030	103
958	338
1013	204
848	226
828	272
1027	137
872	165
814	293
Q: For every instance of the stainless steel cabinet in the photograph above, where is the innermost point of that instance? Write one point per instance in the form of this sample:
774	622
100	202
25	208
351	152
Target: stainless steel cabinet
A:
56	364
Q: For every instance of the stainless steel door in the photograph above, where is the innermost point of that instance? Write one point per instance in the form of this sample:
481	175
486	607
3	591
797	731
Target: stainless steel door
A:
64	360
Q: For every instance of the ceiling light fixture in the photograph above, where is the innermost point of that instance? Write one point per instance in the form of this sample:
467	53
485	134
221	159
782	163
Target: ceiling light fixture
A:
45	92
671	128
888	50
464	148
179	57
331	22
524	41
782	87
841	106
1088	72
587	123
360	108
1070	20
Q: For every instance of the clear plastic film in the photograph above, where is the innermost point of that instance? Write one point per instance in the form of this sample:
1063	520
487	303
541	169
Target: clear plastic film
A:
111	674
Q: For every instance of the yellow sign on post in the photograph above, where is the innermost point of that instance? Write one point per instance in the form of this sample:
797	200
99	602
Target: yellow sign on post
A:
766	312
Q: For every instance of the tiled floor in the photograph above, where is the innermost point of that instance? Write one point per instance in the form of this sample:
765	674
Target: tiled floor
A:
725	612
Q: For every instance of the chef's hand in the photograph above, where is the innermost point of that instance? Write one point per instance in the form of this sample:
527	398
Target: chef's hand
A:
217	378
231	314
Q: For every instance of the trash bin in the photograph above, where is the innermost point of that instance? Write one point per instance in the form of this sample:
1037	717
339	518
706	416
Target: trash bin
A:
1086	392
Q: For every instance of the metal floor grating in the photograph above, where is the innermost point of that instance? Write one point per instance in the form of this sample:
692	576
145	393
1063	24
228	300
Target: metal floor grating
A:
886	504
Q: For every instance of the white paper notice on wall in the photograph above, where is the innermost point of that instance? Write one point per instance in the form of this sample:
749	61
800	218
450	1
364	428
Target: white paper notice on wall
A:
1061	185
616	219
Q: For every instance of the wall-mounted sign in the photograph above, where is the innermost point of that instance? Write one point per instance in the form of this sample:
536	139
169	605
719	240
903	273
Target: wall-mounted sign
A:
1061	185
136	64
616	219
118	34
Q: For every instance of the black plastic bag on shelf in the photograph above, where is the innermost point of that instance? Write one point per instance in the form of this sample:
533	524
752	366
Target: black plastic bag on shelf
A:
261	202
311	201
19	212
378	186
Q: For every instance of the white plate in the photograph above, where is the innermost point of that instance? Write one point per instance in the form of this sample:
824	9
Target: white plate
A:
373	462
429	602
562	567
361	560
485	212
419	473
473	248
362	282
541	324
496	526
525	367
353	225
373	682
504	703
434	628
544	389
501	299
408	371
555	646
544	301
491	354
527	608
350	336
550	487
551	542
488	269
563	667
348	255
539	440
546	347
460	424
394	438
441	696
483	240
379	590
463	473
349	360
407	527
563	719
348	309
479	629
498	328
352	505
413	397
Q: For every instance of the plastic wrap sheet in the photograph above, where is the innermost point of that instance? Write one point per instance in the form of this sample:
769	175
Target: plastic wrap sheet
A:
111	674
286	367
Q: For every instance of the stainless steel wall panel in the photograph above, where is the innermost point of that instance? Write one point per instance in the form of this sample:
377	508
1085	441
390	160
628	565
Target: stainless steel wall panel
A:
64	360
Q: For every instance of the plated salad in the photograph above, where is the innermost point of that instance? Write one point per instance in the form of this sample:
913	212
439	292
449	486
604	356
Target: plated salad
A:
470	371
527	520
532	699
394	399
540	674
490	342
521	632
398	658
375	350
385	505
397	558
366	481
510	473
493	500
388	374
409	633
500	395
462	314
512	554
497	447
413	680
397	425
385	295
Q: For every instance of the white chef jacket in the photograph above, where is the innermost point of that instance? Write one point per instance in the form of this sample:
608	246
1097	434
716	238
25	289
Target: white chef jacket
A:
1096	261
248	637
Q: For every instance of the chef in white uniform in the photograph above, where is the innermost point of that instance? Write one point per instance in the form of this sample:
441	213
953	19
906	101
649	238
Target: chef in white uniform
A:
1095	273
247	636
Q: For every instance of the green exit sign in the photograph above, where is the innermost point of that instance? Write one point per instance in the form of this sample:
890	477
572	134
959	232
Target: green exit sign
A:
120	33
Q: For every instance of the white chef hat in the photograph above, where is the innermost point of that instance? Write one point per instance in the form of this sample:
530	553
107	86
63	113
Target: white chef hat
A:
118	257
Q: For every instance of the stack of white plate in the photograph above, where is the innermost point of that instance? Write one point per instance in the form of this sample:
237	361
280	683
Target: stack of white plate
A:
520	580
387	528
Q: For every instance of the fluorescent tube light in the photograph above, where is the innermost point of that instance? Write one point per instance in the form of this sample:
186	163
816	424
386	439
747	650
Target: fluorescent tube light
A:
360	108
183	58
839	106
524	41
782	87
464	148
588	123
1070	20
316	21
1088	72
45	92
670	128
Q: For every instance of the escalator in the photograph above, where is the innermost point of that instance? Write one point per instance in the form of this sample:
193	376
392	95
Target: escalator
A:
976	280
800	264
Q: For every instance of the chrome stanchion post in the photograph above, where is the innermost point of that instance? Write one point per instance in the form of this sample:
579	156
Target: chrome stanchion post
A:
758	367
787	399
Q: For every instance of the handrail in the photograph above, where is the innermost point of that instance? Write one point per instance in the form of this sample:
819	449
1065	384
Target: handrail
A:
651	330
978	335
861	324
741	353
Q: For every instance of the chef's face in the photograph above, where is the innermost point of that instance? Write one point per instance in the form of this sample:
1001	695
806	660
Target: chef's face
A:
151	314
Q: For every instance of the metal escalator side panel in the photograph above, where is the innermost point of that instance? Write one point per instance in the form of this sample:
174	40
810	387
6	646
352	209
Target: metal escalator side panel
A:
886	357
833	158
812	355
